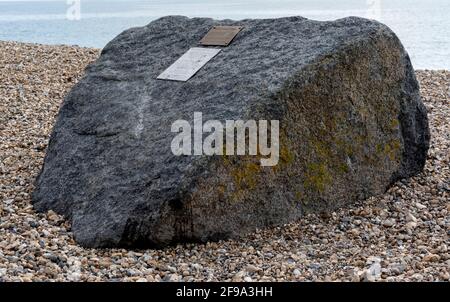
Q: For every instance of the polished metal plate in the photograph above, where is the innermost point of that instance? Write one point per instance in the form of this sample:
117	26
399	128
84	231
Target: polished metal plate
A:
220	35
188	64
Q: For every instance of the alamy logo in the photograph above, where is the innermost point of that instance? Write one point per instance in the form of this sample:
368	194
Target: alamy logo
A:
228	138
374	9
74	10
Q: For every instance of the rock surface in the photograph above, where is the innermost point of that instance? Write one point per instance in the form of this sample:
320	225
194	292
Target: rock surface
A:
345	93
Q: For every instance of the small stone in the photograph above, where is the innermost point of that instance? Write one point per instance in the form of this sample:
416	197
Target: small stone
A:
420	206
373	273
52	216
74	276
396	268
411	225
196	266
171	278
410	217
444	276
357	276
431	258
355	232
252	269
33	223
51	257
238	277
389	222
417	277
8	201
373	259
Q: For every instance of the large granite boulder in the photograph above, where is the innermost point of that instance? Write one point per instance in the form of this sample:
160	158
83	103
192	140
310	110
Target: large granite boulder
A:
351	123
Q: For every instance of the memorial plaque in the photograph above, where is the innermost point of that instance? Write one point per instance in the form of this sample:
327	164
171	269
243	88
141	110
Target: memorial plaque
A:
220	35
188	64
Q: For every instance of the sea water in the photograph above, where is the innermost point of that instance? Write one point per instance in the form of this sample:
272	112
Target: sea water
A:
422	25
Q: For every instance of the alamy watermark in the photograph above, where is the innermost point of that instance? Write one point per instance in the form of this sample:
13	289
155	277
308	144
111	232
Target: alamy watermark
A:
74	10
374	9
229	138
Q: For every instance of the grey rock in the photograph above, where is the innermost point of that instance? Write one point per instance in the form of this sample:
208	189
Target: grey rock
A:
373	273
396	268
352	123
389	222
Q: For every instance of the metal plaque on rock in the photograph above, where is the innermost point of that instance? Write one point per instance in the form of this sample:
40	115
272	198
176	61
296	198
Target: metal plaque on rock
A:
220	35
188	64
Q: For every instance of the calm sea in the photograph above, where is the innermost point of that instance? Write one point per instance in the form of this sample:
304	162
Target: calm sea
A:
422	25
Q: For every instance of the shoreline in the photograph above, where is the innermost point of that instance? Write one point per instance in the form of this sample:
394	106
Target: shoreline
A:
75	46
403	231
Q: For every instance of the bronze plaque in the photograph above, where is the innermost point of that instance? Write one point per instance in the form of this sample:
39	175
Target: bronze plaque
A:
220	35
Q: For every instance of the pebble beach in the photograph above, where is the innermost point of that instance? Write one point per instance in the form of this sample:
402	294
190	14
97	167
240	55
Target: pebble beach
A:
402	235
